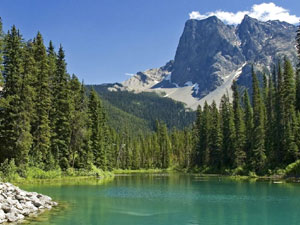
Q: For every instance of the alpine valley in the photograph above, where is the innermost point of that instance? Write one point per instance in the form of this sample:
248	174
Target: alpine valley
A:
210	56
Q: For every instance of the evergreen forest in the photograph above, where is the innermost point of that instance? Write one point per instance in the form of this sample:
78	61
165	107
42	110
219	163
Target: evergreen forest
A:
50	122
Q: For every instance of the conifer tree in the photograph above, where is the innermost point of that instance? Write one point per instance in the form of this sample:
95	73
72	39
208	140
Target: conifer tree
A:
95	125
164	145
204	135
78	123
270	122
196	156
248	118
15	137
61	129
40	124
258	156
239	154
215	139
228	131
279	115
290	122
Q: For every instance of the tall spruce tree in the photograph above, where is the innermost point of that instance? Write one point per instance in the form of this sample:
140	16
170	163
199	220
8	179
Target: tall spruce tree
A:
95	125
248	118
279	115
15	136
290	121
79	125
228	132
164	145
258	155
40	124
239	153
204	135
61	132
215	139
270	122
196	156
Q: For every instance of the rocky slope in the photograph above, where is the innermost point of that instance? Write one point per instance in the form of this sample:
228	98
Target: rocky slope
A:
211	54
16	204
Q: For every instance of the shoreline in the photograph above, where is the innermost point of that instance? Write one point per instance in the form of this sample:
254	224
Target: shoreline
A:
17	204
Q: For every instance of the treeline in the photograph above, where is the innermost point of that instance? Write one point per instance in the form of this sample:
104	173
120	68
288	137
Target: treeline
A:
258	135
46	119
49	121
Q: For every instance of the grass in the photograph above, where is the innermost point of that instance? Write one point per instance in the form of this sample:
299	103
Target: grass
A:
10	173
121	171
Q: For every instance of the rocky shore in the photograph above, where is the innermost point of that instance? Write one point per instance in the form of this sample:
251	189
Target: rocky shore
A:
16	204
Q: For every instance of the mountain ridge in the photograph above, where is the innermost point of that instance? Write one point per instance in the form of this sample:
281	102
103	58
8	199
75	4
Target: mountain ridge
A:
211	54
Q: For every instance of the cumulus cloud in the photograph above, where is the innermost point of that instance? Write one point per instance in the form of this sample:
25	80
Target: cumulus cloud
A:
263	12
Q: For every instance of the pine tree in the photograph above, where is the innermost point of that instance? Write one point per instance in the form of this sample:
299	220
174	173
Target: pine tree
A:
248	118
61	129
279	115
239	154
258	156
215	139
40	125
95	125
15	137
290	122
204	135
78	124
196	156
270	122
164	145
228	132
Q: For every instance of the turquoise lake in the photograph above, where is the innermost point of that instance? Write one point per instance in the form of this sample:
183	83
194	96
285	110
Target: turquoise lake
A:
171	200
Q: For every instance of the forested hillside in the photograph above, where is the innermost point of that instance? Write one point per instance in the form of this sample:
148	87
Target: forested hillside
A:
150	107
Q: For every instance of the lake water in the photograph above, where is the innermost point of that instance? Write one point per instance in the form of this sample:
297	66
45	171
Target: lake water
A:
171	200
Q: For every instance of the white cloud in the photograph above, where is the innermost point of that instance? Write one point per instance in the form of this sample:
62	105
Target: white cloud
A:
263	12
129	74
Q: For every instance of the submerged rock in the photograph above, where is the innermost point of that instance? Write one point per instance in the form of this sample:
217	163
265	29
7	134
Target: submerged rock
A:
16	204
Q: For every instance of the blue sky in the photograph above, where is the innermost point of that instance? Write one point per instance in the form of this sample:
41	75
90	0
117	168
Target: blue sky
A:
105	39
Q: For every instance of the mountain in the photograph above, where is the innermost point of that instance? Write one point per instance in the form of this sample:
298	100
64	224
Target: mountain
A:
211	54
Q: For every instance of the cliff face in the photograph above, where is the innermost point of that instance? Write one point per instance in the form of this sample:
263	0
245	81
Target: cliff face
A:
208	50
211	54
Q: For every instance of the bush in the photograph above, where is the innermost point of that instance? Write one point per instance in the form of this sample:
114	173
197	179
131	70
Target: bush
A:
8	170
239	171
252	174
37	173
71	172
293	169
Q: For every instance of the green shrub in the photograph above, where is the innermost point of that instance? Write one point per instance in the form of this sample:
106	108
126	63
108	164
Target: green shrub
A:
239	171
252	174
8	170
37	173
71	172
293	169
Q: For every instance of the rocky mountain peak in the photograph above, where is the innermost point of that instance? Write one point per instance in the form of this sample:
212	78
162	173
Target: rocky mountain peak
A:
211	54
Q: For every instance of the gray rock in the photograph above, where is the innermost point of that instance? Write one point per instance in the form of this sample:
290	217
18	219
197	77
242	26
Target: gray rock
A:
2	214
15	203
6	208
12	217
